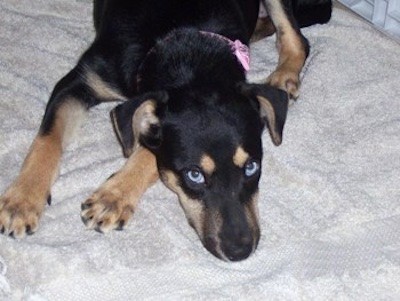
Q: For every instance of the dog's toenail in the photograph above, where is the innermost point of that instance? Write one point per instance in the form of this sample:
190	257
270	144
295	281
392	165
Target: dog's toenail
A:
85	206
2	230
97	229
84	220
111	176
28	230
120	226
49	200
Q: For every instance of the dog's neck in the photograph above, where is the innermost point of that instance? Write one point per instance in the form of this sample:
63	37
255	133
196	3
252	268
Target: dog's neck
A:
188	57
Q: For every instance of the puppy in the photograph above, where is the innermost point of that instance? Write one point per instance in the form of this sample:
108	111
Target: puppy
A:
188	115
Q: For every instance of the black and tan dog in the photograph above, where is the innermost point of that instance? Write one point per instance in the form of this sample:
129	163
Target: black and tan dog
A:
189	115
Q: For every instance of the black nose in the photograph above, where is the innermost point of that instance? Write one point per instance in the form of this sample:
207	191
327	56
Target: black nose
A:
236	251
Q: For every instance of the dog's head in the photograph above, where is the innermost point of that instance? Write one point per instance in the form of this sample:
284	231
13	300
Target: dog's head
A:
209	152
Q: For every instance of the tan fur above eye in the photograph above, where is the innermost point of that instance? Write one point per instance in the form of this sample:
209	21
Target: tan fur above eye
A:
240	157
207	164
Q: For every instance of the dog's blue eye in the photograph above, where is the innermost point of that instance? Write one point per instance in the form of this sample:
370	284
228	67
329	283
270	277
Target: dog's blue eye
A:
251	168
196	176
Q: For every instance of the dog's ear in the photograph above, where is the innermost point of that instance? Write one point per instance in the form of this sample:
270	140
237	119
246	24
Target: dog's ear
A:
273	105
135	121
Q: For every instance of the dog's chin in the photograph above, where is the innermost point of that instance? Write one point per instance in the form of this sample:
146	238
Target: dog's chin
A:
229	252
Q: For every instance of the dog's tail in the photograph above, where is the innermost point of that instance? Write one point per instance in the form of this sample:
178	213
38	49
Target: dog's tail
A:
310	12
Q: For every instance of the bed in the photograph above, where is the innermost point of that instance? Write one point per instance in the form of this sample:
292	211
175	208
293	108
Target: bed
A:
329	195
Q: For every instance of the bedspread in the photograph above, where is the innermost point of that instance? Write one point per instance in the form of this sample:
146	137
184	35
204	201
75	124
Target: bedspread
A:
329	195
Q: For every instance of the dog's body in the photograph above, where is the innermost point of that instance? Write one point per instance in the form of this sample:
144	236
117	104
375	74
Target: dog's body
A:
189	116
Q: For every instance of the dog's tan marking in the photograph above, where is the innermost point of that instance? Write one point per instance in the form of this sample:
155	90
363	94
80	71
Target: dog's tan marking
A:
267	112
207	164
264	28
143	118
22	204
240	157
292	54
212	226
127	150
113	204
194	210
101	89
71	115
252	216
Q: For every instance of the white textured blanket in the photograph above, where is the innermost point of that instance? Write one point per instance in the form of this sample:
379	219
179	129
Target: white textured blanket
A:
330	194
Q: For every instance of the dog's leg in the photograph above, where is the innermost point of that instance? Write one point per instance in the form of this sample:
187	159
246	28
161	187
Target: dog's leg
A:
292	46
112	205
264	28
23	202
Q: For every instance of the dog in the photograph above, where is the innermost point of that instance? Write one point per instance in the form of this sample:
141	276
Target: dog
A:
187	114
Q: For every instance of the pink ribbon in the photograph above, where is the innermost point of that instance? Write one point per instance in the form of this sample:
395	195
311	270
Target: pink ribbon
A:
242	53
240	50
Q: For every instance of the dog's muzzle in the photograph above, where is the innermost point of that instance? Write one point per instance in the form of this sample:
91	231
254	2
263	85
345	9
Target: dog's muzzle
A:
231	234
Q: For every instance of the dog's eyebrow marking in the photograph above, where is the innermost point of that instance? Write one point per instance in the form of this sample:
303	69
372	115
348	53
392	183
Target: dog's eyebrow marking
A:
207	164
102	89
240	157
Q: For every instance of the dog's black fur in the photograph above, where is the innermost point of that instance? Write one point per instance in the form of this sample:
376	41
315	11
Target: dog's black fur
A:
188	102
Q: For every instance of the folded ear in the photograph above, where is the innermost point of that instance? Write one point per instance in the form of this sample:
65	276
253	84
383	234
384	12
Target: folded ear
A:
135	121
273	105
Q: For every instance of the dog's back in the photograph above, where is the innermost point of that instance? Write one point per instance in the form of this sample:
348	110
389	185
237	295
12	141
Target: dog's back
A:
151	18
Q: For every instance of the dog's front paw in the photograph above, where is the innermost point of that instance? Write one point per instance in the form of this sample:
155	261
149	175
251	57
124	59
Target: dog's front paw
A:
106	210
20	212
286	80
113	204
